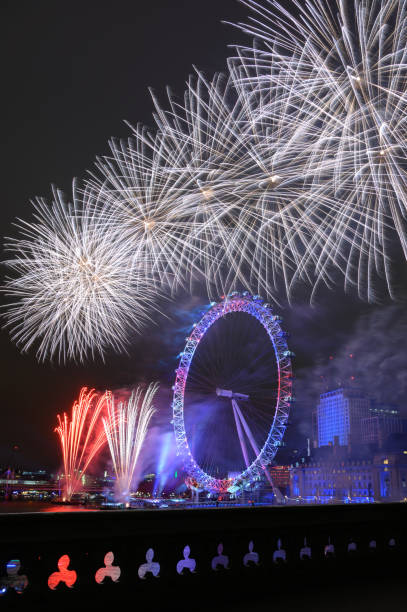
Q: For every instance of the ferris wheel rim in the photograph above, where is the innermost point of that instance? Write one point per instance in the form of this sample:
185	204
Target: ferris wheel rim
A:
253	306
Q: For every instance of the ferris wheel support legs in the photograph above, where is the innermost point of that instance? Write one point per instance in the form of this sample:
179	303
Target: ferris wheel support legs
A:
240	432
246	428
252	441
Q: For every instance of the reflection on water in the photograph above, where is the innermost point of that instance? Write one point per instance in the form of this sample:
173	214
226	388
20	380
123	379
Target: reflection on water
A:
8	507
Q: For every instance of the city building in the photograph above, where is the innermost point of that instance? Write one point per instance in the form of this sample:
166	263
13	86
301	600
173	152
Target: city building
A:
314	428
280	476
339	414
380	409
377	429
334	475
354	418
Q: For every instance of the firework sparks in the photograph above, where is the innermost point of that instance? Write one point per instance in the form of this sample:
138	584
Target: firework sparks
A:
126	426
217	194
249	167
288	171
139	194
351	82
77	289
81	438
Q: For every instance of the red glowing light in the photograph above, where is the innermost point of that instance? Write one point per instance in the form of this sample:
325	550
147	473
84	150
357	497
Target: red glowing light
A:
63	574
81	438
331	356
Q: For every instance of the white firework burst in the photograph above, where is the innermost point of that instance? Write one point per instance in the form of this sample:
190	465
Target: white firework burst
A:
244	165
138	194
291	169
75	289
126	427
351	82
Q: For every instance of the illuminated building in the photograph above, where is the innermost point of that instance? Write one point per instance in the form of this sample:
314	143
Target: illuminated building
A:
280	475
314	424
339	414
333	476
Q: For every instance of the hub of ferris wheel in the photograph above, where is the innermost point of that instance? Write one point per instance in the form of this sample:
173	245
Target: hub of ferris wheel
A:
231	395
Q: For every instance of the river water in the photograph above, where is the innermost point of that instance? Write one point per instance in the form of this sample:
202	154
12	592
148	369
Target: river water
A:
9	507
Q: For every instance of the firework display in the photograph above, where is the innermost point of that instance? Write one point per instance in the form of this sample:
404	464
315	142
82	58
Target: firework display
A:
347	63
76	289
139	194
81	438
243	172
126	426
287	172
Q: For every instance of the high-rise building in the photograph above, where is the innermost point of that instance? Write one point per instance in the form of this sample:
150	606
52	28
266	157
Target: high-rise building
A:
376	429
314	418
380	409
339	415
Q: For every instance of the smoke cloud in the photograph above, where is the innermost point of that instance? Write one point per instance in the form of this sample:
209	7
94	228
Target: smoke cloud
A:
368	352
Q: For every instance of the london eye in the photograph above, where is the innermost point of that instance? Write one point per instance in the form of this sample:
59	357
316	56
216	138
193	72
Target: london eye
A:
232	394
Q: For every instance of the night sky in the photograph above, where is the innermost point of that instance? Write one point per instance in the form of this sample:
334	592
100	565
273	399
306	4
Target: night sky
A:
72	73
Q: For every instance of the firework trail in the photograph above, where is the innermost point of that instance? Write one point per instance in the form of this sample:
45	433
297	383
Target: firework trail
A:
125	428
288	172
76	288
257	162
81	437
139	194
218	194
347	63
